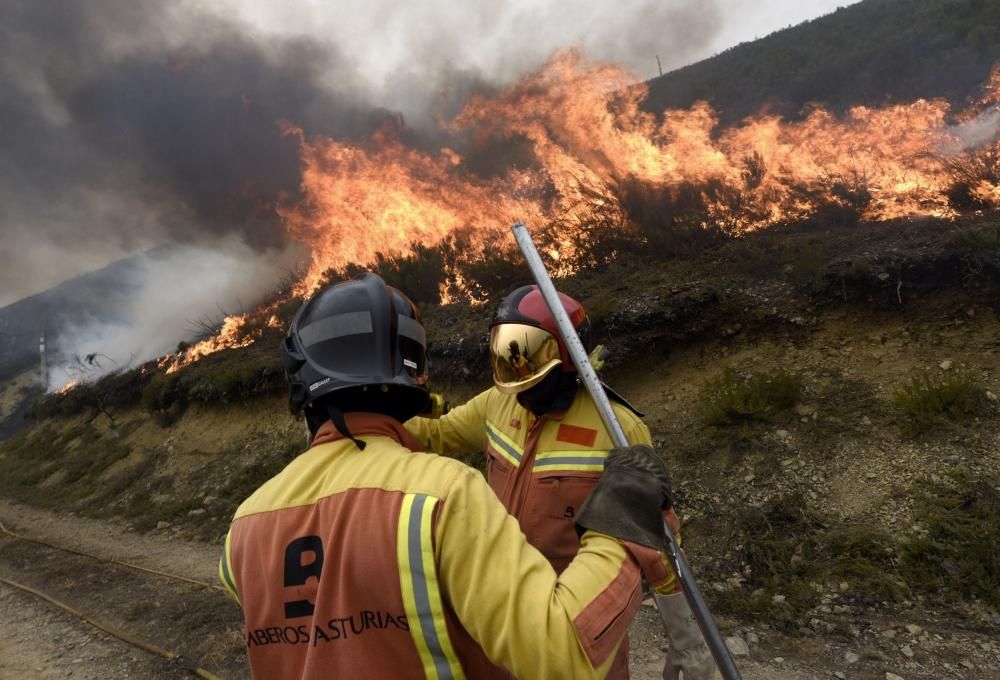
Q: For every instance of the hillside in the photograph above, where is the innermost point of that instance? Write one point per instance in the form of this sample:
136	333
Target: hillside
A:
823	518
872	52
820	374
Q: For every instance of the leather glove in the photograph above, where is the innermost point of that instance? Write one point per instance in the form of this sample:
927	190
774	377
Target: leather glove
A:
688	657
629	499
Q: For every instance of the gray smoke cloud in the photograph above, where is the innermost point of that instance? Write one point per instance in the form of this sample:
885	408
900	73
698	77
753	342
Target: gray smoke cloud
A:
167	301
979	131
129	123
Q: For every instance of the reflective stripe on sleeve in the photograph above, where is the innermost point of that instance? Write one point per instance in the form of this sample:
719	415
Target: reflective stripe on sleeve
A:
226	572
587	460
503	444
421	595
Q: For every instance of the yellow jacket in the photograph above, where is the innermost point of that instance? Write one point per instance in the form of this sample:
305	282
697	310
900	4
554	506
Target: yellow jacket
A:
382	563
541	468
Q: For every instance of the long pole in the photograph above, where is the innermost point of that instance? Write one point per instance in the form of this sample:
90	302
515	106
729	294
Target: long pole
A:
588	376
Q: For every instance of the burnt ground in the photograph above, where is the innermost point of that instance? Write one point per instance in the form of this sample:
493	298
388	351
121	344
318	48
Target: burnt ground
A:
841	533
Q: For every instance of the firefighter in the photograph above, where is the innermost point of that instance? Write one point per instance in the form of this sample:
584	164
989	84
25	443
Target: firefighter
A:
363	559
546	448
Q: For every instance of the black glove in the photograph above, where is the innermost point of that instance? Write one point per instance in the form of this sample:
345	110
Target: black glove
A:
629	500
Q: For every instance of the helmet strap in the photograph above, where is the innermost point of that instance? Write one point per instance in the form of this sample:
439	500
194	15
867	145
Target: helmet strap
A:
337	416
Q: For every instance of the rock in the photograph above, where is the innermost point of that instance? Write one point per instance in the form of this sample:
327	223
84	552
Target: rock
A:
889	633
840	675
991	396
907	652
196	512
914	629
865	420
851	657
892	676
162	525
752	638
783	434
968	664
737	646
946	364
779	659
778	599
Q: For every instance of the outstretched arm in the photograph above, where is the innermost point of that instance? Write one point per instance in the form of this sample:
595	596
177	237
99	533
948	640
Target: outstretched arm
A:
461	430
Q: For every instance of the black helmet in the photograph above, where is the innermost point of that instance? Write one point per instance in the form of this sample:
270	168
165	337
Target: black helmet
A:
525	344
359	346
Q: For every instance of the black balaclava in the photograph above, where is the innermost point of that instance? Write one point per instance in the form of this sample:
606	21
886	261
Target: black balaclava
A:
398	402
555	392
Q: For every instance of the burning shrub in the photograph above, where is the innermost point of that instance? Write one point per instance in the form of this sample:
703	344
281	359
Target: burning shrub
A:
480	273
118	390
673	220
492	276
419	274
602	227
975	181
838	202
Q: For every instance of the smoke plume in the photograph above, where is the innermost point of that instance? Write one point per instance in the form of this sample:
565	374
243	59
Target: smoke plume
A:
129	123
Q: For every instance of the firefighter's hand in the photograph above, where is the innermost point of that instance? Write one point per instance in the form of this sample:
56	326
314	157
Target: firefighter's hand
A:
642	459
629	499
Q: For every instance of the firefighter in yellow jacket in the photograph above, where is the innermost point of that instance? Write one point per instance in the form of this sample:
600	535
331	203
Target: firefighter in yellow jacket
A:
546	448
364	559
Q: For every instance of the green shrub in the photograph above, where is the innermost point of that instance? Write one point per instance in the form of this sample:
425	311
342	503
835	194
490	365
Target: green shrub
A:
159	392
786	549
928	400
980	241
958	551
732	400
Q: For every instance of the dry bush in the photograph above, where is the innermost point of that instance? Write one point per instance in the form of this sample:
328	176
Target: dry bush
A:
971	177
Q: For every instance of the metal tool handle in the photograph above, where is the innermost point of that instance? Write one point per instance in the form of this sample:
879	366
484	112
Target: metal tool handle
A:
588	375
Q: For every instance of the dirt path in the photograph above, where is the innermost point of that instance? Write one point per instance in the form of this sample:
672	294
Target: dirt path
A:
39	641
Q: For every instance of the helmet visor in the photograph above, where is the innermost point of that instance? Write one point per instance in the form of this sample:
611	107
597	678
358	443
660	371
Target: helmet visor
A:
521	355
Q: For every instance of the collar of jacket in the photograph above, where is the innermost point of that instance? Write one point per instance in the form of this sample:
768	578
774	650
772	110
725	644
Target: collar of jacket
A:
360	423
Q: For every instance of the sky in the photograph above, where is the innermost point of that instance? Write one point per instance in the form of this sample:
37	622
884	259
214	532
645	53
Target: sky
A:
388	40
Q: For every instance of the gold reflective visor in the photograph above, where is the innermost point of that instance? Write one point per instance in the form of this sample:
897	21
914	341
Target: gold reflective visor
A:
521	356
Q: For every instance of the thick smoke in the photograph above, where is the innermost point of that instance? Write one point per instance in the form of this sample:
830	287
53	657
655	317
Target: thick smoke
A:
980	131
129	123
168	301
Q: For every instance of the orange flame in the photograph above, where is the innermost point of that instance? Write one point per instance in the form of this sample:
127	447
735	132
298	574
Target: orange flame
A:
588	136
384	197
68	386
588	132
236	332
